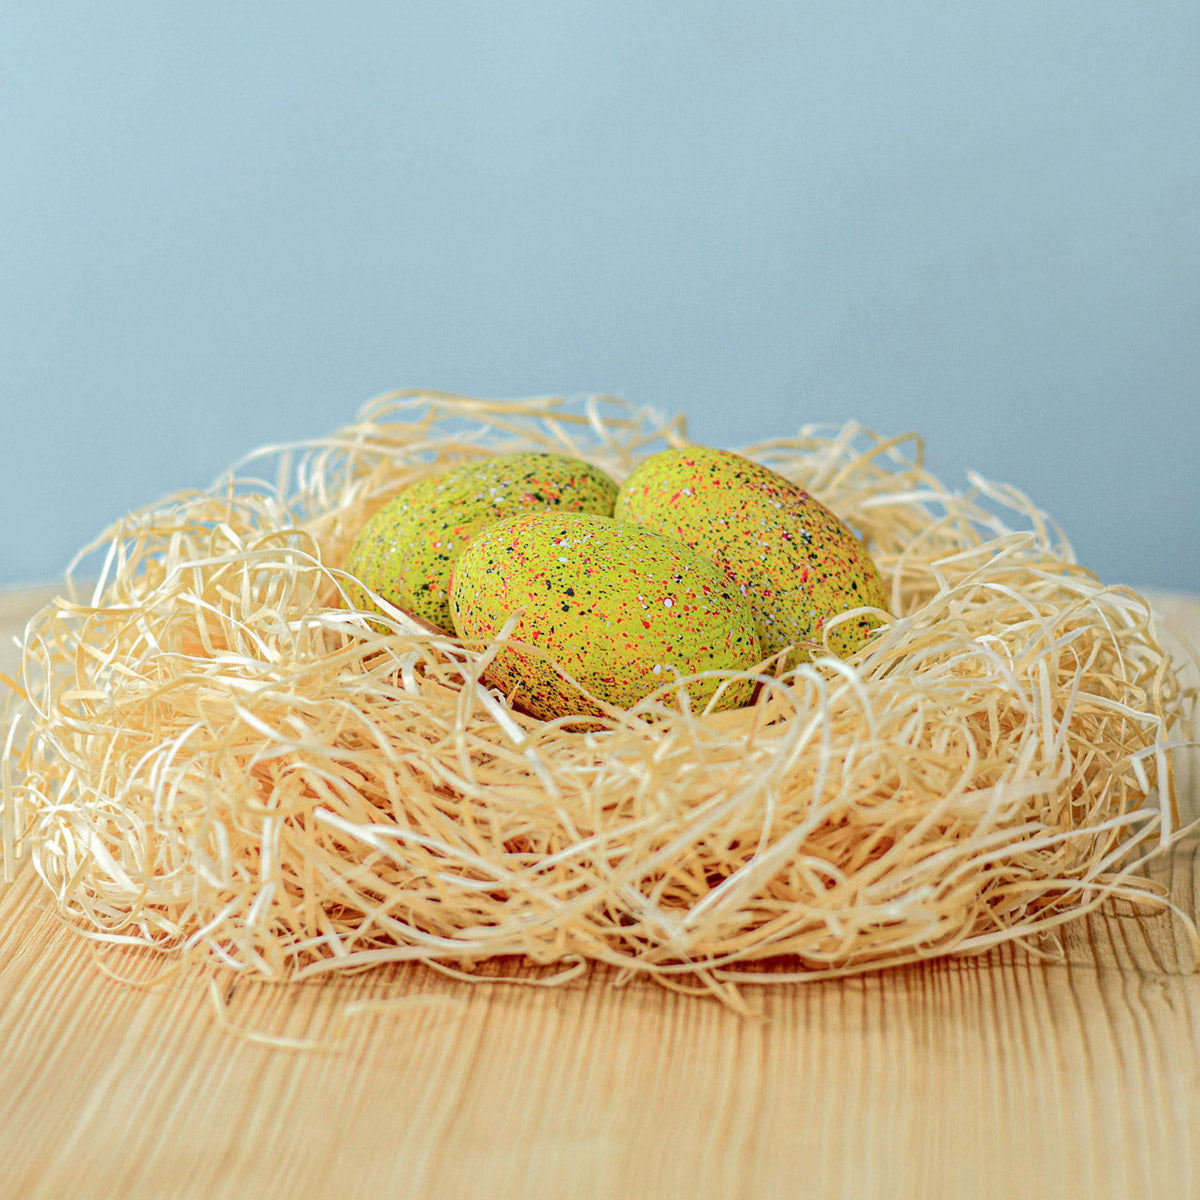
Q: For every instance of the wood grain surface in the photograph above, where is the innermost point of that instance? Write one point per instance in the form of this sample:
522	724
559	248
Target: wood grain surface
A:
1000	1076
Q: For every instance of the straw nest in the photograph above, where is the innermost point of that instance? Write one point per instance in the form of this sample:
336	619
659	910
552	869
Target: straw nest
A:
210	754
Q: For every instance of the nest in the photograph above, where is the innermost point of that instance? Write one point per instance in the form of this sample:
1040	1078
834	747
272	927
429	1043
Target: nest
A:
211	753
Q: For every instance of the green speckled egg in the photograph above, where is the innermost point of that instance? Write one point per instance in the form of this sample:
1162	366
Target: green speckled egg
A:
796	562
406	551
621	609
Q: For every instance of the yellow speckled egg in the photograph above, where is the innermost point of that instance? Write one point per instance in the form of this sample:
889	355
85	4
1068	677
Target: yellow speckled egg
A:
796	562
406	551
620	608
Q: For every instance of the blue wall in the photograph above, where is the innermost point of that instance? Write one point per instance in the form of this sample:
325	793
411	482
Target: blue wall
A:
231	224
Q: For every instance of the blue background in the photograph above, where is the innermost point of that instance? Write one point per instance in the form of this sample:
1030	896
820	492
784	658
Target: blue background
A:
225	225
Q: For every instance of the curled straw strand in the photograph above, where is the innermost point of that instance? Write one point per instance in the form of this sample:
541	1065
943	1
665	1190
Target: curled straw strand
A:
211	755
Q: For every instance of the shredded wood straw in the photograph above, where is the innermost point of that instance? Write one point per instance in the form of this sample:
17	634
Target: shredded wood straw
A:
211	755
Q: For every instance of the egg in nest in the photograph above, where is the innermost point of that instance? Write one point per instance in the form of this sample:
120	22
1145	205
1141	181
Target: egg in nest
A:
407	550
798	564
621	609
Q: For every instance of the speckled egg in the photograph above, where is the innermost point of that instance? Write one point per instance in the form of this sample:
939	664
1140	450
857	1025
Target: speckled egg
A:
796	562
406	551
621	609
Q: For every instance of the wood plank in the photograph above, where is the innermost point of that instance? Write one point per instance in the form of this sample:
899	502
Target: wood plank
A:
939	1080
977	1078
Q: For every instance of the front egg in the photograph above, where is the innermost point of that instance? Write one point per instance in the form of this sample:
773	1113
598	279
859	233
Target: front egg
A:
620	609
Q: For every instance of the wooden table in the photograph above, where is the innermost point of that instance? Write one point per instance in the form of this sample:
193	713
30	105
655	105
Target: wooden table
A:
999	1076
